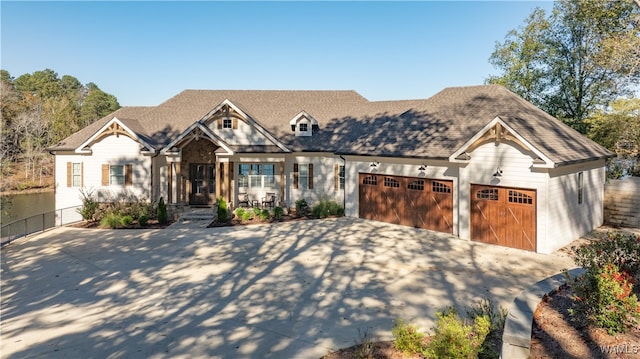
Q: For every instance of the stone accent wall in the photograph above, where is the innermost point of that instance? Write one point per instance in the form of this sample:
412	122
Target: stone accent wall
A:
622	202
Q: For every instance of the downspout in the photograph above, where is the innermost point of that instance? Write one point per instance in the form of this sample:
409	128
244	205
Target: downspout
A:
344	188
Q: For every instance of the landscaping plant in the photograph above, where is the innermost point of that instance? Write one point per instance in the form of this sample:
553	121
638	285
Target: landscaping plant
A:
278	212
454	338
161	212
497	316
111	220
89	206
407	337
143	220
264	215
126	220
223	212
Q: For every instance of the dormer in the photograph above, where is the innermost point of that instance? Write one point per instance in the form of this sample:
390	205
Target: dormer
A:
303	124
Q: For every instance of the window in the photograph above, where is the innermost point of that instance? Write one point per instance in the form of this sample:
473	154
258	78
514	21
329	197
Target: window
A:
488	194
304	127
580	187
212	179
370	180
116	175
390	182
519	197
439	187
227	123
256	175
417	185
303	176
341	177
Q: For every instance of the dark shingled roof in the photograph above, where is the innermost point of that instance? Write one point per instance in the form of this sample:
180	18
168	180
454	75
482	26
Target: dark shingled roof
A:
350	124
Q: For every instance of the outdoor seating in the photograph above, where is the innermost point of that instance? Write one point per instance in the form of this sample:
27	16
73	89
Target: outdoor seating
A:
269	200
243	200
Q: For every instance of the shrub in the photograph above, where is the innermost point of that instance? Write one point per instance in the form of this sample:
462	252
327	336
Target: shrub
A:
256	211
89	206
617	248
264	215
223	212
246	216
143	220
454	338
497	317
161	212
302	208
278	212
239	212
326	208
407	338
126	220
603	298
111	220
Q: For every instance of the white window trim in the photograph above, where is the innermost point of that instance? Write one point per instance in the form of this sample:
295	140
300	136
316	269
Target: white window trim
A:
77	175
303	180
263	178
113	176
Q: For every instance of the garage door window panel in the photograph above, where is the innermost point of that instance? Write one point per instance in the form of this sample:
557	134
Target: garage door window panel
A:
416	185
390	182
487	194
440	187
370	181
519	197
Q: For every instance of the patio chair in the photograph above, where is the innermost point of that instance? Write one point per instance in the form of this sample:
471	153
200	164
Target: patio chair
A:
243	200
269	200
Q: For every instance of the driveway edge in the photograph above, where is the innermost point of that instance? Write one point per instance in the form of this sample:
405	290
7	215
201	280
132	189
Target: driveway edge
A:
516	338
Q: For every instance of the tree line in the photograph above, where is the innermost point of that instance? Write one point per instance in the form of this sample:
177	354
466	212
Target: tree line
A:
581	64
40	109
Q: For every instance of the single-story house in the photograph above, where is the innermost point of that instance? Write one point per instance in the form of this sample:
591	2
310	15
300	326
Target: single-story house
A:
479	162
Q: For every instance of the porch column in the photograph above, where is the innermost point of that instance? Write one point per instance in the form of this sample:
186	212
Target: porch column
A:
282	184
218	179
226	180
178	183
170	174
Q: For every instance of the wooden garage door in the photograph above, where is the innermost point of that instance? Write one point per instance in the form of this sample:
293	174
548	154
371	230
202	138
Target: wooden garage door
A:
416	202
504	216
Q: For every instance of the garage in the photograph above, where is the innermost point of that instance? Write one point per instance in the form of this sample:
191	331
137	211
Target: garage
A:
504	216
409	201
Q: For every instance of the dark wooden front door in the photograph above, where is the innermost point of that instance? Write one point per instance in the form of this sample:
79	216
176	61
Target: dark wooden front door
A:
504	216
416	202
202	179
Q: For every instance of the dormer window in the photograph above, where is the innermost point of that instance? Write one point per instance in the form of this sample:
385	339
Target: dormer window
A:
304	127
227	123
303	124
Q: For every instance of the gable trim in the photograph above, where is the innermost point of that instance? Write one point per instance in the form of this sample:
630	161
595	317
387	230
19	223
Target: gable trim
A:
117	128
200	126
246	118
502	132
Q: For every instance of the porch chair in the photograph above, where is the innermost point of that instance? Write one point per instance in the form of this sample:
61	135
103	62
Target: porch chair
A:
243	200
269	199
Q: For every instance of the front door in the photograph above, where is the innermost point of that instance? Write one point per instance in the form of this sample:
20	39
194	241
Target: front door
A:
202	178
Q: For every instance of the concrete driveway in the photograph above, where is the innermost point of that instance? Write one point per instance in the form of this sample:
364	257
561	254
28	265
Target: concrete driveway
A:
296	289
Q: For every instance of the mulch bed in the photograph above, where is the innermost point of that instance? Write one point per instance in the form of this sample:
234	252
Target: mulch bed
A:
555	335
152	224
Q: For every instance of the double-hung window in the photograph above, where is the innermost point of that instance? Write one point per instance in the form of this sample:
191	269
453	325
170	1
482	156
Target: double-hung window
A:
116	175
341	177
256	175
303	176
580	187
76	175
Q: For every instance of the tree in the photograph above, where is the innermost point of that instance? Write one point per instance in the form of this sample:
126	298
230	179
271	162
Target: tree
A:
566	63
96	105
618	128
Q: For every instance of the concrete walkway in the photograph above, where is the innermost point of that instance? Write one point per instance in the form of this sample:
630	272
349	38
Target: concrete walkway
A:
288	290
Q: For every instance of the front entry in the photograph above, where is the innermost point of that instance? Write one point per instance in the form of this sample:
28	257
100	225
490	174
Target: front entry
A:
202	178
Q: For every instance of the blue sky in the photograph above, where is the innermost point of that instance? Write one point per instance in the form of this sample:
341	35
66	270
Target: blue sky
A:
146	52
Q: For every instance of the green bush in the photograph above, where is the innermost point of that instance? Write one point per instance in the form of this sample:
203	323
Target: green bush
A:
256	211
126	220
239	212
497	316
302	208
407	338
617	248
603	298
246	216
243	214
325	209
161	212
264	215
278	212
89	206
143	220
111	220
223	212
454	338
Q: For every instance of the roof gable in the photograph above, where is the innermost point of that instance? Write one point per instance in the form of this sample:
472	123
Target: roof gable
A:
114	127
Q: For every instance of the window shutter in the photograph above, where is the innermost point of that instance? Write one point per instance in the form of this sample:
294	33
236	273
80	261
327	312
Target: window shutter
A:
220	124
295	176
310	175
82	174
235	123
128	175
105	175
336	178
69	174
